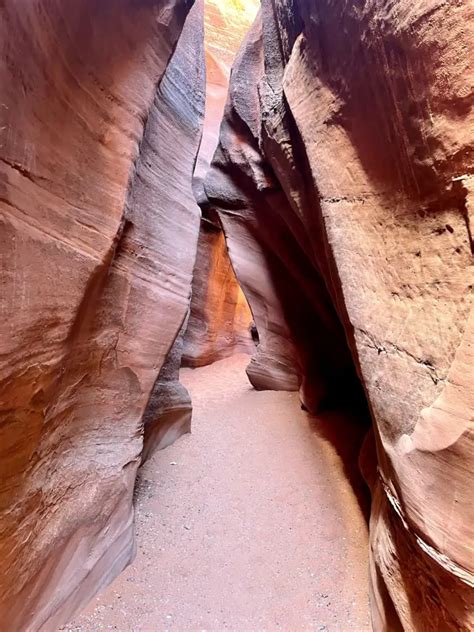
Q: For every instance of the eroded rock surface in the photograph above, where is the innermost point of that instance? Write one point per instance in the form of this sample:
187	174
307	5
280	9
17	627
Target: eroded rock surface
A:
301	338
169	410
220	317
101	112
343	180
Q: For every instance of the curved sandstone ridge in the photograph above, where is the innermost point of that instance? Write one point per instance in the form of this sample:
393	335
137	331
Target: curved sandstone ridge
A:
342	180
273	269
101	113
219	317
219	314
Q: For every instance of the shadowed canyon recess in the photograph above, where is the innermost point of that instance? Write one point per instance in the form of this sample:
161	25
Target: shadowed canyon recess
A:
197	184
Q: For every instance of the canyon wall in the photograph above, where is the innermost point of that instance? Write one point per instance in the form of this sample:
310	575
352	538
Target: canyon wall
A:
101	113
343	180
301	340
343	185
219	318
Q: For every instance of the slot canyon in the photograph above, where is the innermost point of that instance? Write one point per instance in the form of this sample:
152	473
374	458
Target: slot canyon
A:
236	349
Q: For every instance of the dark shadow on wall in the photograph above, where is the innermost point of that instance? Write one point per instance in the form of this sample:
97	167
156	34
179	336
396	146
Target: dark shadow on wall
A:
345	429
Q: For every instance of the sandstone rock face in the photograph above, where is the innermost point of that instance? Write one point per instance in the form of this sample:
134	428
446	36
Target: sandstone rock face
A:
169	410
301	339
220	317
344	181
226	23
100	120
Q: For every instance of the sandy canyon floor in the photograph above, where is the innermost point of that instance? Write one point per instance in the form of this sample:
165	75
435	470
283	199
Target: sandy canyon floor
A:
249	523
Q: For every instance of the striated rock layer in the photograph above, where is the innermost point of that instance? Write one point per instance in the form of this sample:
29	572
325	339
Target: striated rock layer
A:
100	120
344	181
219	317
169	410
301	338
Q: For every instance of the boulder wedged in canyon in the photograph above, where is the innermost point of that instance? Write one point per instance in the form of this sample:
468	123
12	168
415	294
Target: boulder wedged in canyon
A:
343	180
100	123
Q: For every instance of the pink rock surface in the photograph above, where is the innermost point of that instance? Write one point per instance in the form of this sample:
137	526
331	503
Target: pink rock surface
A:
169	411
343	181
219	318
301	338
344	175
100	122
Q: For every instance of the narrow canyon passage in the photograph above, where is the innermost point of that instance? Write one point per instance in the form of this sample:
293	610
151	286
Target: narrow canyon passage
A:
249	523
186	180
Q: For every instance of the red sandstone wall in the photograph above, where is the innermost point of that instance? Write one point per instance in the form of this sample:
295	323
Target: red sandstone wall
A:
101	114
343	180
220	318
226	23
219	322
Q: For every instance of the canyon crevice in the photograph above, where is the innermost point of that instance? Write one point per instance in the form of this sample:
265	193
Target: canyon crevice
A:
312	207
